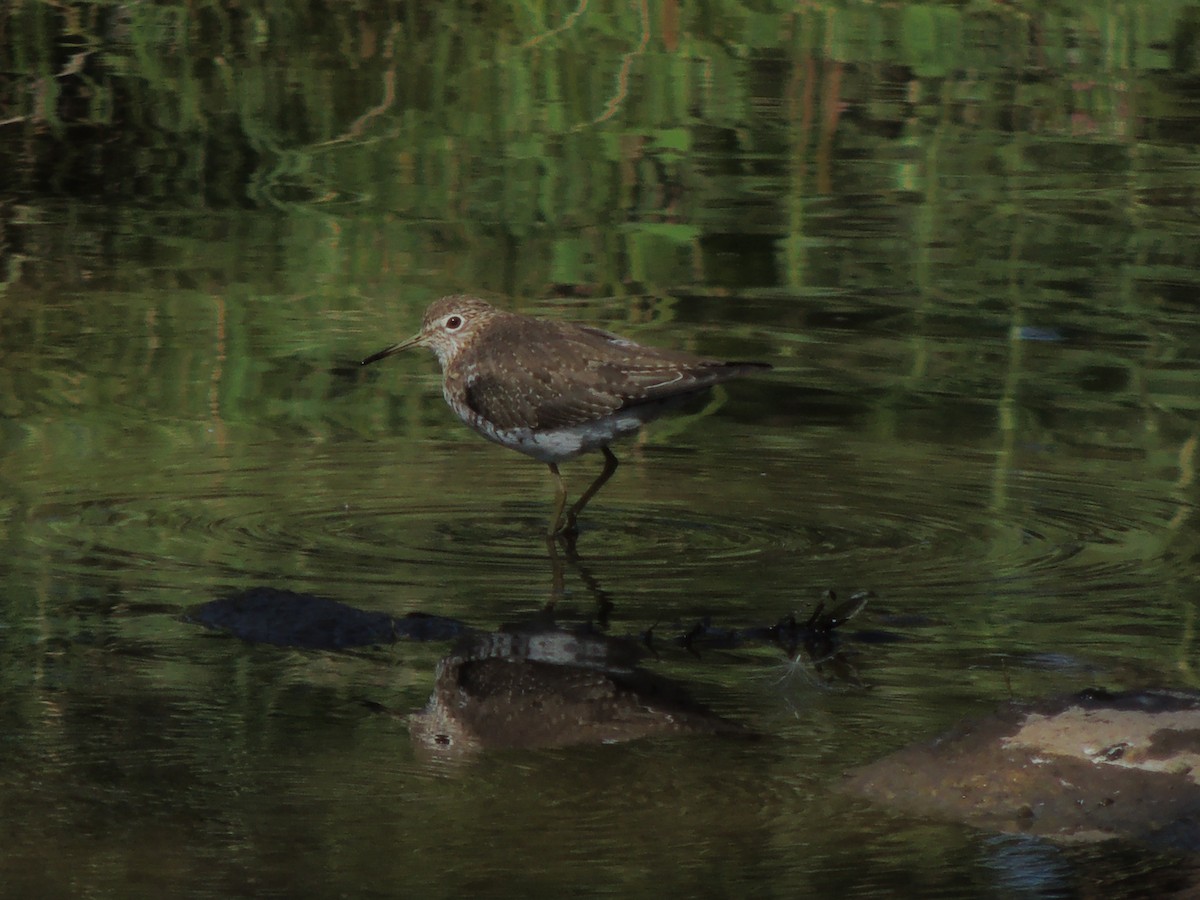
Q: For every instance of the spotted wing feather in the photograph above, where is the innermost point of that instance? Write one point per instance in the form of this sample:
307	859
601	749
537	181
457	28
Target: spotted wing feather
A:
549	375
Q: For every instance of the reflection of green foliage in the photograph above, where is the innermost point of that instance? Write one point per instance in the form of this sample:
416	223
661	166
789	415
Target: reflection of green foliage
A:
931	39
534	131
267	81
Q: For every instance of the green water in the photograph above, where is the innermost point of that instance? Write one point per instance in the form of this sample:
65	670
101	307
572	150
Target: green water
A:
967	236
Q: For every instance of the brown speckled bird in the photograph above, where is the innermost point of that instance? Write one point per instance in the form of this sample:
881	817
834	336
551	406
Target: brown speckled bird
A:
555	390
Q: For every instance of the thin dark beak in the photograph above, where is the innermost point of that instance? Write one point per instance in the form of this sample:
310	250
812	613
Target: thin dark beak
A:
395	348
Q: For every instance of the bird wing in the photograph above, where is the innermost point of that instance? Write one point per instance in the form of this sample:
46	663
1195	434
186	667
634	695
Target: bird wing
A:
544	375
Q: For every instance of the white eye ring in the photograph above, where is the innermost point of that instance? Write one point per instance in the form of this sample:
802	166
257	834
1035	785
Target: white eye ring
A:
453	323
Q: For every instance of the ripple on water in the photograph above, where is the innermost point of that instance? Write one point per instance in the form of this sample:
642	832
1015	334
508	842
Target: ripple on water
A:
812	514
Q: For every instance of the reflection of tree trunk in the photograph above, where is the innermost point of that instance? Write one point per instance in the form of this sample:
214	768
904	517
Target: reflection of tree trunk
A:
799	99
831	109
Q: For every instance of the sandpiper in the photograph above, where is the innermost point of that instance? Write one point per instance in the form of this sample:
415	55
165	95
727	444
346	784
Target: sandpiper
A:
554	390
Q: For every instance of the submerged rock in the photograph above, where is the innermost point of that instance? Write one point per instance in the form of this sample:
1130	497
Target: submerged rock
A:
1083	768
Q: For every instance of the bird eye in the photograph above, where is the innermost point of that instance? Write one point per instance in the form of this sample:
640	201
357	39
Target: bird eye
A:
454	323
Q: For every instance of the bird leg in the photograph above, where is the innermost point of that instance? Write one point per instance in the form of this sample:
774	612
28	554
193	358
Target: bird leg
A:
557	575
560	500
610	466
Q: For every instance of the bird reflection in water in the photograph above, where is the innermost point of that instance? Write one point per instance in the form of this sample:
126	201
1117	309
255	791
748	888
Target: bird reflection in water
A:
538	683
535	687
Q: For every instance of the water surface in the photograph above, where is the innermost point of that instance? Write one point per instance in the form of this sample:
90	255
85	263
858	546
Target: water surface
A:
966	238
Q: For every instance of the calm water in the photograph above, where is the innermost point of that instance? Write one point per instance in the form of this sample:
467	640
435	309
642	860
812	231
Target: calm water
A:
967	238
